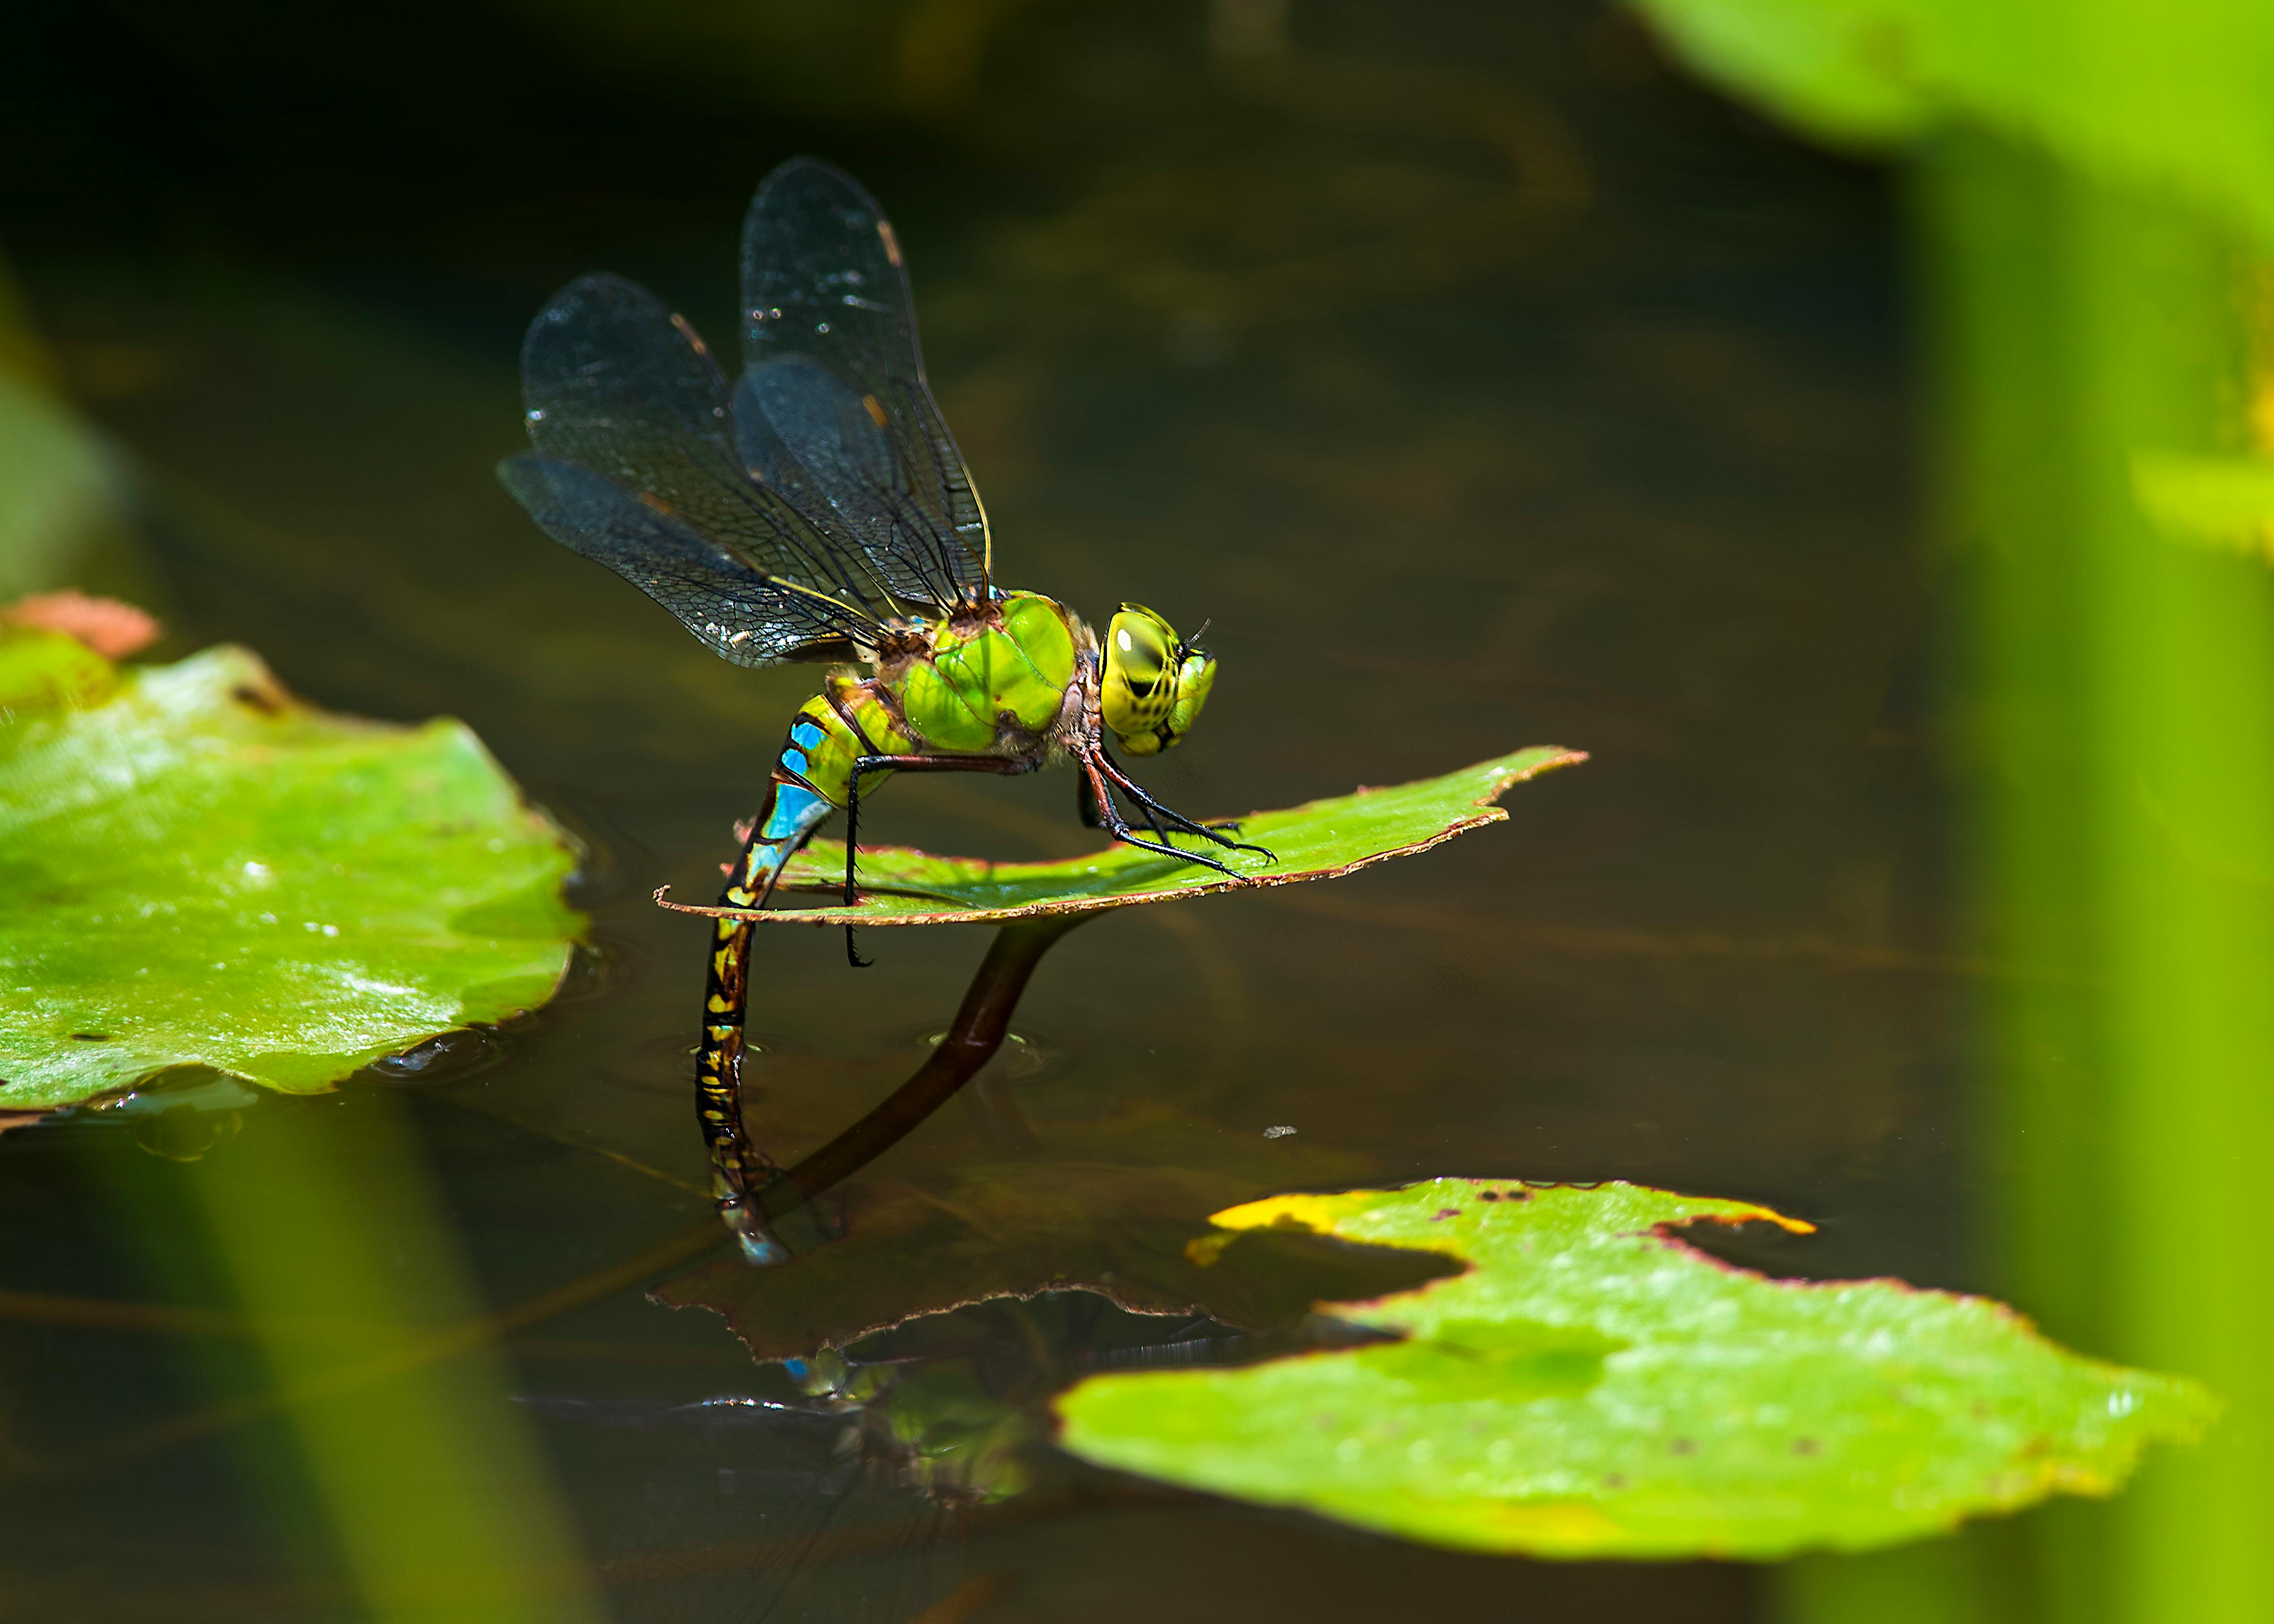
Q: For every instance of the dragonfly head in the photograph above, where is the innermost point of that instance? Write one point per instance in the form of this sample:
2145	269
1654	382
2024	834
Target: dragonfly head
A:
1155	681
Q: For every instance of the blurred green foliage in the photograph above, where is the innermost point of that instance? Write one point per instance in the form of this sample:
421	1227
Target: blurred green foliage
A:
2167	97
58	483
2094	193
2228	500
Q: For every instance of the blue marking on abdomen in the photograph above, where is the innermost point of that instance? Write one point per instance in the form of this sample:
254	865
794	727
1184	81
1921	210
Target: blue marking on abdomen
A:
807	736
794	759
796	810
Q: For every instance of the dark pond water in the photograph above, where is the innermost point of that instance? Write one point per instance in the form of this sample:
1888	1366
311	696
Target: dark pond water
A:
1485	384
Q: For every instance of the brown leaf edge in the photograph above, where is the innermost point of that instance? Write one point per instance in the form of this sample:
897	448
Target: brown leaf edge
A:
1487	812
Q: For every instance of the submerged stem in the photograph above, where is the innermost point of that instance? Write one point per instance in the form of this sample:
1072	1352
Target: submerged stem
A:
971	1041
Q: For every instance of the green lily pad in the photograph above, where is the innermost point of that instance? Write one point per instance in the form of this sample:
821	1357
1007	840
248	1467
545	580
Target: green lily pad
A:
1319	840
196	866
1592	1387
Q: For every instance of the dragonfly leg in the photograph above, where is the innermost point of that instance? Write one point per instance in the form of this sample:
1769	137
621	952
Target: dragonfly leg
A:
1136	793
1143	810
1086	807
1119	827
1008	766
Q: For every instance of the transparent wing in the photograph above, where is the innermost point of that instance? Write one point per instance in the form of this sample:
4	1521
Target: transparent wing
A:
836	376
742	612
845	473
617	384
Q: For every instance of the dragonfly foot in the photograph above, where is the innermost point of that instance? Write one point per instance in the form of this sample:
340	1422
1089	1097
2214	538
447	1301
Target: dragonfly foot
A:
1210	830
1127	838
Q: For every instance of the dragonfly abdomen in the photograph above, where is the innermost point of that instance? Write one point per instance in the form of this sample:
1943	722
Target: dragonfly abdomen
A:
810	780
847	719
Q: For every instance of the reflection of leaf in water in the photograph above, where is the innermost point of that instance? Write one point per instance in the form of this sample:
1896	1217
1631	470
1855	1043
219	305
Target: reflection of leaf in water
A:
945	1235
1319	840
201	868
1592	1387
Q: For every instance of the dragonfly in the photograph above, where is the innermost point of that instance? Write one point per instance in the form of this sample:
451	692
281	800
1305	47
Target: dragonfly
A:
816	508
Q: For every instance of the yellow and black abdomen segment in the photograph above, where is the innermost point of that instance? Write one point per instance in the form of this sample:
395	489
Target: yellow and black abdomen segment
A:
1020	669
808	783
845	721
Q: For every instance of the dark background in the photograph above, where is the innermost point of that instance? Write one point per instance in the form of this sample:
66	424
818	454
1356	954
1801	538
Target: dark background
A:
1485	382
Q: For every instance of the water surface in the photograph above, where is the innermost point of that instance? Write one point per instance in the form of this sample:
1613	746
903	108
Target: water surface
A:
1482	384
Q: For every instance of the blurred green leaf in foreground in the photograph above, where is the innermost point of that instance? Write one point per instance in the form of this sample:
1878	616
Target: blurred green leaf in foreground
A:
198	868
2157	97
2091	198
1591	1387
58	483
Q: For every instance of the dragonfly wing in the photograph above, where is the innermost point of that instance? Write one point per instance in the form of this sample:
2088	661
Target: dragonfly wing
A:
745	615
826	295
845	471
615	382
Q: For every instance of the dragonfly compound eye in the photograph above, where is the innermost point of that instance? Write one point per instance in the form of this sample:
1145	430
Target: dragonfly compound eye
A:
1153	685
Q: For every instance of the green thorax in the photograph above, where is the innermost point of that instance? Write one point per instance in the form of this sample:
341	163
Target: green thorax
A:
982	686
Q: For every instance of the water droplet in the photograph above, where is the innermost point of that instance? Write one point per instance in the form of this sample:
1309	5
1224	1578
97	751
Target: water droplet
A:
537	414
821	327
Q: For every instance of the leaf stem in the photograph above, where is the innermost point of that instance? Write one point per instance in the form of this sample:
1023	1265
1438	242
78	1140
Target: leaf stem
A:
970	1042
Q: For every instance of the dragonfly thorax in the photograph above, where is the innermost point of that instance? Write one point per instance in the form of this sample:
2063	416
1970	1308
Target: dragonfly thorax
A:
1006	683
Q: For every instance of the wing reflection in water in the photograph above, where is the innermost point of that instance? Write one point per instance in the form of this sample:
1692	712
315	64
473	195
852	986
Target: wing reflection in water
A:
841	1504
861	1486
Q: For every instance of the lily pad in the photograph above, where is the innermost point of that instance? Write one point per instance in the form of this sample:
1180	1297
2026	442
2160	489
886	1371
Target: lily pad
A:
1316	841
197	866
1592	1388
